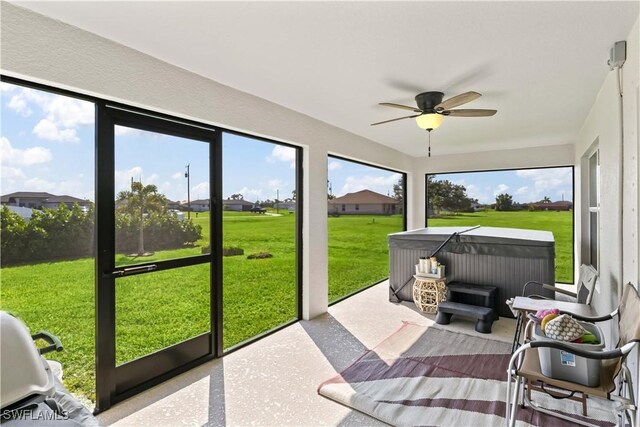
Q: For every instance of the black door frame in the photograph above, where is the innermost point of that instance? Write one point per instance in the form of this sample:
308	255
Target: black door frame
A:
115	383
104	161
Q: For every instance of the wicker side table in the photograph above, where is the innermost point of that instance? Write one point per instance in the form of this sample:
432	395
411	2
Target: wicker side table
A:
428	293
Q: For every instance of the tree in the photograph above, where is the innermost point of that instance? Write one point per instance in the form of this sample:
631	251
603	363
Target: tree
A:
141	200
447	196
236	196
398	190
546	199
504	202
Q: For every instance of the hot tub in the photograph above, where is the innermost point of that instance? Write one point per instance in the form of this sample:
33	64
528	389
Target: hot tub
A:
503	257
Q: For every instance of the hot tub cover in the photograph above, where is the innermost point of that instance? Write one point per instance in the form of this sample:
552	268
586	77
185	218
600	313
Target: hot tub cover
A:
509	242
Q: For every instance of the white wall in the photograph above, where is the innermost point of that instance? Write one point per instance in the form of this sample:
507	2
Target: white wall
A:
557	155
43	50
619	183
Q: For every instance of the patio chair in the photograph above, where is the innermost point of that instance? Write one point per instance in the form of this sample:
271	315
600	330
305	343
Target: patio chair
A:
585	287
524	366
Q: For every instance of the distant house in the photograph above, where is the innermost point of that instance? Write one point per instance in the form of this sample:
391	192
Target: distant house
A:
173	206
287	204
39	200
237	205
365	202
25	213
200	205
554	206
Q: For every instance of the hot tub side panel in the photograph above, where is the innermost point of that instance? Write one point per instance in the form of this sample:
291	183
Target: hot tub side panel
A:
508	273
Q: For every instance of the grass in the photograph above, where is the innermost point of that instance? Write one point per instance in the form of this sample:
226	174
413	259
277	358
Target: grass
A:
165	307
559	223
358	251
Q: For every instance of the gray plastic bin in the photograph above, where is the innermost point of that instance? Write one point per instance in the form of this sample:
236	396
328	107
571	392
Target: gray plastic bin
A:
506	258
562	365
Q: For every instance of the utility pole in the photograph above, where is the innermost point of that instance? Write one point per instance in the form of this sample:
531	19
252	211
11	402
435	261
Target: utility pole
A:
277	197
186	175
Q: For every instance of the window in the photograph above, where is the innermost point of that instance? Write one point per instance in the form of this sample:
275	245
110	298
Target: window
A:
538	199
594	208
359	222
47	257
49	250
260	229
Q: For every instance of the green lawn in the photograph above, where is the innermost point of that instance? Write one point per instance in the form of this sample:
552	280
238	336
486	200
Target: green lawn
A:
158	309
358	251
559	223
165	307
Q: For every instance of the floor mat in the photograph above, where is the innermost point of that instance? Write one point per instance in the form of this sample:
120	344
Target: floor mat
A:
431	376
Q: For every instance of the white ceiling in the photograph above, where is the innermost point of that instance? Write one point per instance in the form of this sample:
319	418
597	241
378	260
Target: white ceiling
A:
540	64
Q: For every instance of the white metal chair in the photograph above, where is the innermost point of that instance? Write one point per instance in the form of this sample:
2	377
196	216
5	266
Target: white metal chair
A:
524	368
583	295
585	286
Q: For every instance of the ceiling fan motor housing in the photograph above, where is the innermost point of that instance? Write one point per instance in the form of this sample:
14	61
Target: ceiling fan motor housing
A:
427	101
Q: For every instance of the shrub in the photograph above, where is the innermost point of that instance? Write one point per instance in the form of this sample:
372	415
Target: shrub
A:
63	233
260	255
232	251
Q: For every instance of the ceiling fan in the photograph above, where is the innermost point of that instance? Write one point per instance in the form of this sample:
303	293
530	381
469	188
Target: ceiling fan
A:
432	109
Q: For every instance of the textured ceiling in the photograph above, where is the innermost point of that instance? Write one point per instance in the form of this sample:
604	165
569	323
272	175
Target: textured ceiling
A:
540	64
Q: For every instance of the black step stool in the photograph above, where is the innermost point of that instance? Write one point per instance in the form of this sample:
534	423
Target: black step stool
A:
488	293
484	315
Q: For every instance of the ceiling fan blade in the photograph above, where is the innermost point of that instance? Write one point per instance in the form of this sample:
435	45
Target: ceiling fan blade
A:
404	107
393	120
463	98
469	113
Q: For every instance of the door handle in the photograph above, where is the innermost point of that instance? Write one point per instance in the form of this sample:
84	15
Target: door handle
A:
134	270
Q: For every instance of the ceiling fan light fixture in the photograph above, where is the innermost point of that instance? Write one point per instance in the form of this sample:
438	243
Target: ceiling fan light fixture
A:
429	121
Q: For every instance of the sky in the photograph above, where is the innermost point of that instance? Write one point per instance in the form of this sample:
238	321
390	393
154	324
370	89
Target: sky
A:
47	144
524	185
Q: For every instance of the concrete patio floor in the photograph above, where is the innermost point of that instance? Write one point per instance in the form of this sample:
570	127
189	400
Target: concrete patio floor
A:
273	382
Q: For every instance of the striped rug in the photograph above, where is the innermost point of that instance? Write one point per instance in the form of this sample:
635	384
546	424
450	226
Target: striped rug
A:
431	376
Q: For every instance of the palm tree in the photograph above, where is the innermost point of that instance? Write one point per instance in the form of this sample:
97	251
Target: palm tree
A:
138	201
546	199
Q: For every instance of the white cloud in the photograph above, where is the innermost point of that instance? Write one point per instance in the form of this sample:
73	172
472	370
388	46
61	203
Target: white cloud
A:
63	115
39	184
476	193
379	184
19	104
275	184
283	154
123	178
22	157
46	129
7	87
200	191
11	173
500	189
69	112
334	166
522	190
548	182
151	179
252	194
177	175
